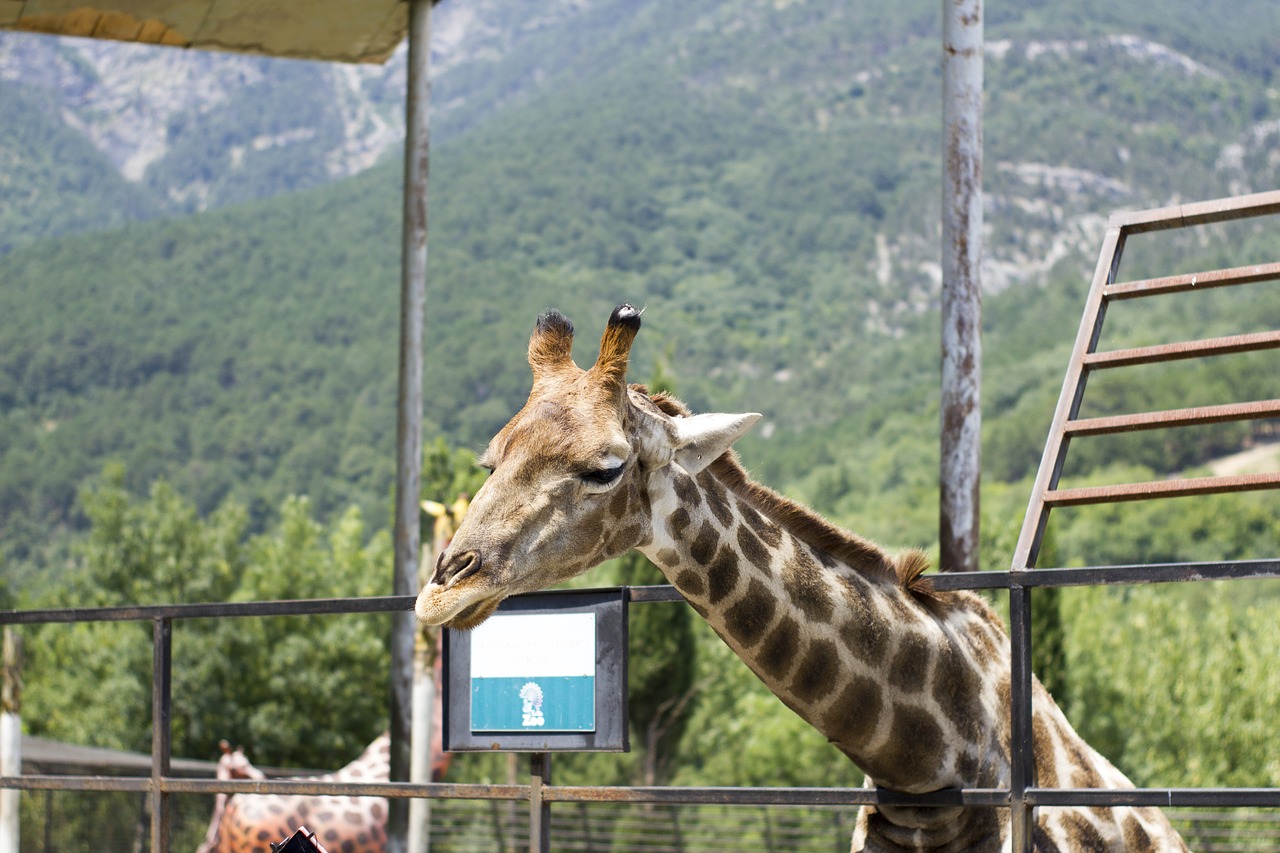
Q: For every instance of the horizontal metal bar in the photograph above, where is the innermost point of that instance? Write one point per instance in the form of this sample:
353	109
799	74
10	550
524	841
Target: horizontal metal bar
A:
969	580
653	593
1174	418
1150	573
313	787
134	613
1191	281
1160	797
77	783
968	797
1228	345
1188	487
1198	213
773	796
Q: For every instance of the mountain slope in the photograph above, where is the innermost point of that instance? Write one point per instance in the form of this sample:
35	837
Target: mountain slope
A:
762	176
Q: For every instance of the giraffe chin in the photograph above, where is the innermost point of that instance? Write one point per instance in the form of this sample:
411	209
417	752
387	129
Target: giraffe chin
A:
454	609
471	617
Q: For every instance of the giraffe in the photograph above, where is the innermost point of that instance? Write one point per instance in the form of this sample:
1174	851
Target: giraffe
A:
233	764
250	823
910	683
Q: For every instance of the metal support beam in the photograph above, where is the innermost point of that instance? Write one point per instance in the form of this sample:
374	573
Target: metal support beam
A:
409	414
962	41
161	699
539	805
1022	768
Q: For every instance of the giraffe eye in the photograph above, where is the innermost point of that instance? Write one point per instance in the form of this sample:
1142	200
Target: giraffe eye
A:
602	477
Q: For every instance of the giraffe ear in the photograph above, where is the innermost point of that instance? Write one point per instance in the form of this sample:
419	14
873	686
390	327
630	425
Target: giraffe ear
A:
701	439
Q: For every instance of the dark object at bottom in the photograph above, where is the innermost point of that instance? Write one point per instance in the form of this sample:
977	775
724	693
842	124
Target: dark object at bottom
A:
302	841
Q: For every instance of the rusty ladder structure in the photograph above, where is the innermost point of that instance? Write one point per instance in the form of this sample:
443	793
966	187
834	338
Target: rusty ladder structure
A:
1046	494
1085	359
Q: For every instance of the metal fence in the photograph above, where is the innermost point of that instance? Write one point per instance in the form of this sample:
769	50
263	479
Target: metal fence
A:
1021	796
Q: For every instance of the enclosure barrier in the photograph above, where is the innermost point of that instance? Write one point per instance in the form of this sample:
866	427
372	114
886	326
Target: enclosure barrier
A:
539	793
1021	796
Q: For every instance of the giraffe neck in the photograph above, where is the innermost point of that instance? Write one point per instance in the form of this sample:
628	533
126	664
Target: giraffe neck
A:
897	685
915	691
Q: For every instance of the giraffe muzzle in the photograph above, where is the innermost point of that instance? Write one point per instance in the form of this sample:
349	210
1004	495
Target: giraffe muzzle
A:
452	567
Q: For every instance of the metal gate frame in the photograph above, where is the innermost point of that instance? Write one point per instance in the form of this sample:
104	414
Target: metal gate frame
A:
1022	796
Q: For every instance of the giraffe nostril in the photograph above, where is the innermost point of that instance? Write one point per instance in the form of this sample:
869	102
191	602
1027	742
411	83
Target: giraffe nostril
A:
452	567
437	574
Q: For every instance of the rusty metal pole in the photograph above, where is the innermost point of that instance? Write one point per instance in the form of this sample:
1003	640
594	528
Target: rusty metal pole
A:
409	412
961	284
161	729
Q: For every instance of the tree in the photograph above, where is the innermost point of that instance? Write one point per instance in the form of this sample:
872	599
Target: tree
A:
306	691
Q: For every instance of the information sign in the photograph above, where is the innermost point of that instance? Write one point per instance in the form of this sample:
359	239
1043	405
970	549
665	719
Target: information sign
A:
547	672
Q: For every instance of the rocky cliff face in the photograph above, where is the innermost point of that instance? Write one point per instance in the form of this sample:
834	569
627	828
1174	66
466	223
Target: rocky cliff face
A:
137	103
200	129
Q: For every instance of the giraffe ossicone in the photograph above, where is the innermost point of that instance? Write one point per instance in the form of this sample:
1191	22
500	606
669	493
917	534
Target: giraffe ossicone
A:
910	683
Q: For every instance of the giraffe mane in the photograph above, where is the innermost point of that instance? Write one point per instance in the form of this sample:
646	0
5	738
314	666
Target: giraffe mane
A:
905	569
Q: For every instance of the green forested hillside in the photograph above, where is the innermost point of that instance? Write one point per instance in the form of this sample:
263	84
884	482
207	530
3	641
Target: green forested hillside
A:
783	249
52	181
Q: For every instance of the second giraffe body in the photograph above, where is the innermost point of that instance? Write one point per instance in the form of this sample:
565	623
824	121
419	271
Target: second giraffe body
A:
911	684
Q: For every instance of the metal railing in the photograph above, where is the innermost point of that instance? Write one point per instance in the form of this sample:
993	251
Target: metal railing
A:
1021	796
1045	494
539	794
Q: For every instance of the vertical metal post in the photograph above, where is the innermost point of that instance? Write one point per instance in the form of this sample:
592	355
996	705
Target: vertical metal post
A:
11	741
409	412
539	808
962	41
161	690
1021	731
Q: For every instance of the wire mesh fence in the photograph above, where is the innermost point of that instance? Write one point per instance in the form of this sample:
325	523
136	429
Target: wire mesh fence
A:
118	822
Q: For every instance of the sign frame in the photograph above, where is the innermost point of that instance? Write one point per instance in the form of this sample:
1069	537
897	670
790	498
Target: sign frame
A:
612	730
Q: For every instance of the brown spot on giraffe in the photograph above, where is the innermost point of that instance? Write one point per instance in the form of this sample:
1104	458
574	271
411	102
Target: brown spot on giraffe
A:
778	654
915	747
704	545
687	490
753	549
806	584
909	668
690	584
855	714
680	521
749	617
957	688
669	557
1085	837
718	503
818	672
768	532
722	575
1135	836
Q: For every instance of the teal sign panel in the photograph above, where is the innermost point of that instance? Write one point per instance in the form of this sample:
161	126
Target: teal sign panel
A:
557	703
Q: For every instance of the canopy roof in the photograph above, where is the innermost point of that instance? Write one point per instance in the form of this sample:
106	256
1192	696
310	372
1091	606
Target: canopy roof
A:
330	30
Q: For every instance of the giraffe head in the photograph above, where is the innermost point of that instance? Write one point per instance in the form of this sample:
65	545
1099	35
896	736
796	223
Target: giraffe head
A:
234	764
570	471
